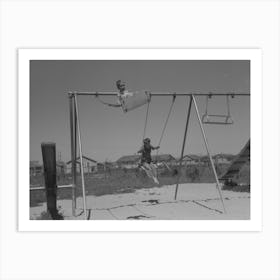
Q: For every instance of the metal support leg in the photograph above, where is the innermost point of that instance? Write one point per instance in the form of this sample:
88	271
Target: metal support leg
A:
72	153
81	158
209	155
75	153
183	147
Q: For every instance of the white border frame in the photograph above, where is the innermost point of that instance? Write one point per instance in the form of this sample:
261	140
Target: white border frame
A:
254	55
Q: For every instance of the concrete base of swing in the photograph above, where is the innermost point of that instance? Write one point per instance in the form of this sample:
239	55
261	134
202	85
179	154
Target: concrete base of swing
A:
133	100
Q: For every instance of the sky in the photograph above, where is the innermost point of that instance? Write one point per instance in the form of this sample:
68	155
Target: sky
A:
109	133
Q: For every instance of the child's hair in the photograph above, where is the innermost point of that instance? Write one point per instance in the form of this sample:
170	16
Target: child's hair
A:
118	83
147	140
120	86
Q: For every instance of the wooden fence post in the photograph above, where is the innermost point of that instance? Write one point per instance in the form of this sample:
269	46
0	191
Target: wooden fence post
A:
49	162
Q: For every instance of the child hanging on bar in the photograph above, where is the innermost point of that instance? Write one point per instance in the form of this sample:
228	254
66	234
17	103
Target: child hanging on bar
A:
146	159
130	100
120	87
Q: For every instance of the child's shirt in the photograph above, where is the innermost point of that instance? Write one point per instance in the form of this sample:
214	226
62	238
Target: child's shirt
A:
146	152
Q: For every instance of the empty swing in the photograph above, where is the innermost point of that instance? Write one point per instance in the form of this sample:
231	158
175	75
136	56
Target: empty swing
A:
222	119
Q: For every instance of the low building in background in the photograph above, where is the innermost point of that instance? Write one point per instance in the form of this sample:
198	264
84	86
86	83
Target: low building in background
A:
167	158
223	158
106	166
61	168
130	161
35	168
191	160
89	165
218	159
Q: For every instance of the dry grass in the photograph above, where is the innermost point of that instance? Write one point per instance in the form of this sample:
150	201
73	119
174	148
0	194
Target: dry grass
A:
126	181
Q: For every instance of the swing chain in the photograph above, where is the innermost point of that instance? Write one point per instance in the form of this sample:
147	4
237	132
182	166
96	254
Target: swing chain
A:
146	118
166	121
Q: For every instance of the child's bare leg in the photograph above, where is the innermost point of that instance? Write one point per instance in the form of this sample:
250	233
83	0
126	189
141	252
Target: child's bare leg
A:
153	169
154	172
148	169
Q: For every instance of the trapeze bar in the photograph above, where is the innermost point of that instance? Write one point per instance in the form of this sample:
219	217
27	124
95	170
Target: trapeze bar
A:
112	93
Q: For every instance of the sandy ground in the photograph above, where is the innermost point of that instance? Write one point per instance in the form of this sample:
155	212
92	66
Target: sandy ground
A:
194	202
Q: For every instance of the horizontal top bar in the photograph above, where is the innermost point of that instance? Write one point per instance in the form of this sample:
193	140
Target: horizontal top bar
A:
112	93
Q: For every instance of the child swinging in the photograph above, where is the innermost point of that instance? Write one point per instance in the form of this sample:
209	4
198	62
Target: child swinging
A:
146	159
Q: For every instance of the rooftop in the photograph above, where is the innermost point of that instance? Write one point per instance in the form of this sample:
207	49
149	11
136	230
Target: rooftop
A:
84	157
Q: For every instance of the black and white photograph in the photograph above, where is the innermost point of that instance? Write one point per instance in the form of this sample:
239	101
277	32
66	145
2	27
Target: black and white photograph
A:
140	139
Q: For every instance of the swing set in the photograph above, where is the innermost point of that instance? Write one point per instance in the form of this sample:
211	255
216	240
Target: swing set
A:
131	100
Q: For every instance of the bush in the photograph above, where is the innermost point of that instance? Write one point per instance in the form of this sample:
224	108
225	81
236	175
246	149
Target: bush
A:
192	173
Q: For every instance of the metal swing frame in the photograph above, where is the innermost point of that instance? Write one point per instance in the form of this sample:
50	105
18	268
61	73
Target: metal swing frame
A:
76	141
219	119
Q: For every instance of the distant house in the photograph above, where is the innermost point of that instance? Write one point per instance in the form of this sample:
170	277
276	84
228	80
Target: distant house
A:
105	166
128	161
223	158
61	167
89	165
191	160
217	159
100	167
187	160
132	161
163	158
35	168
